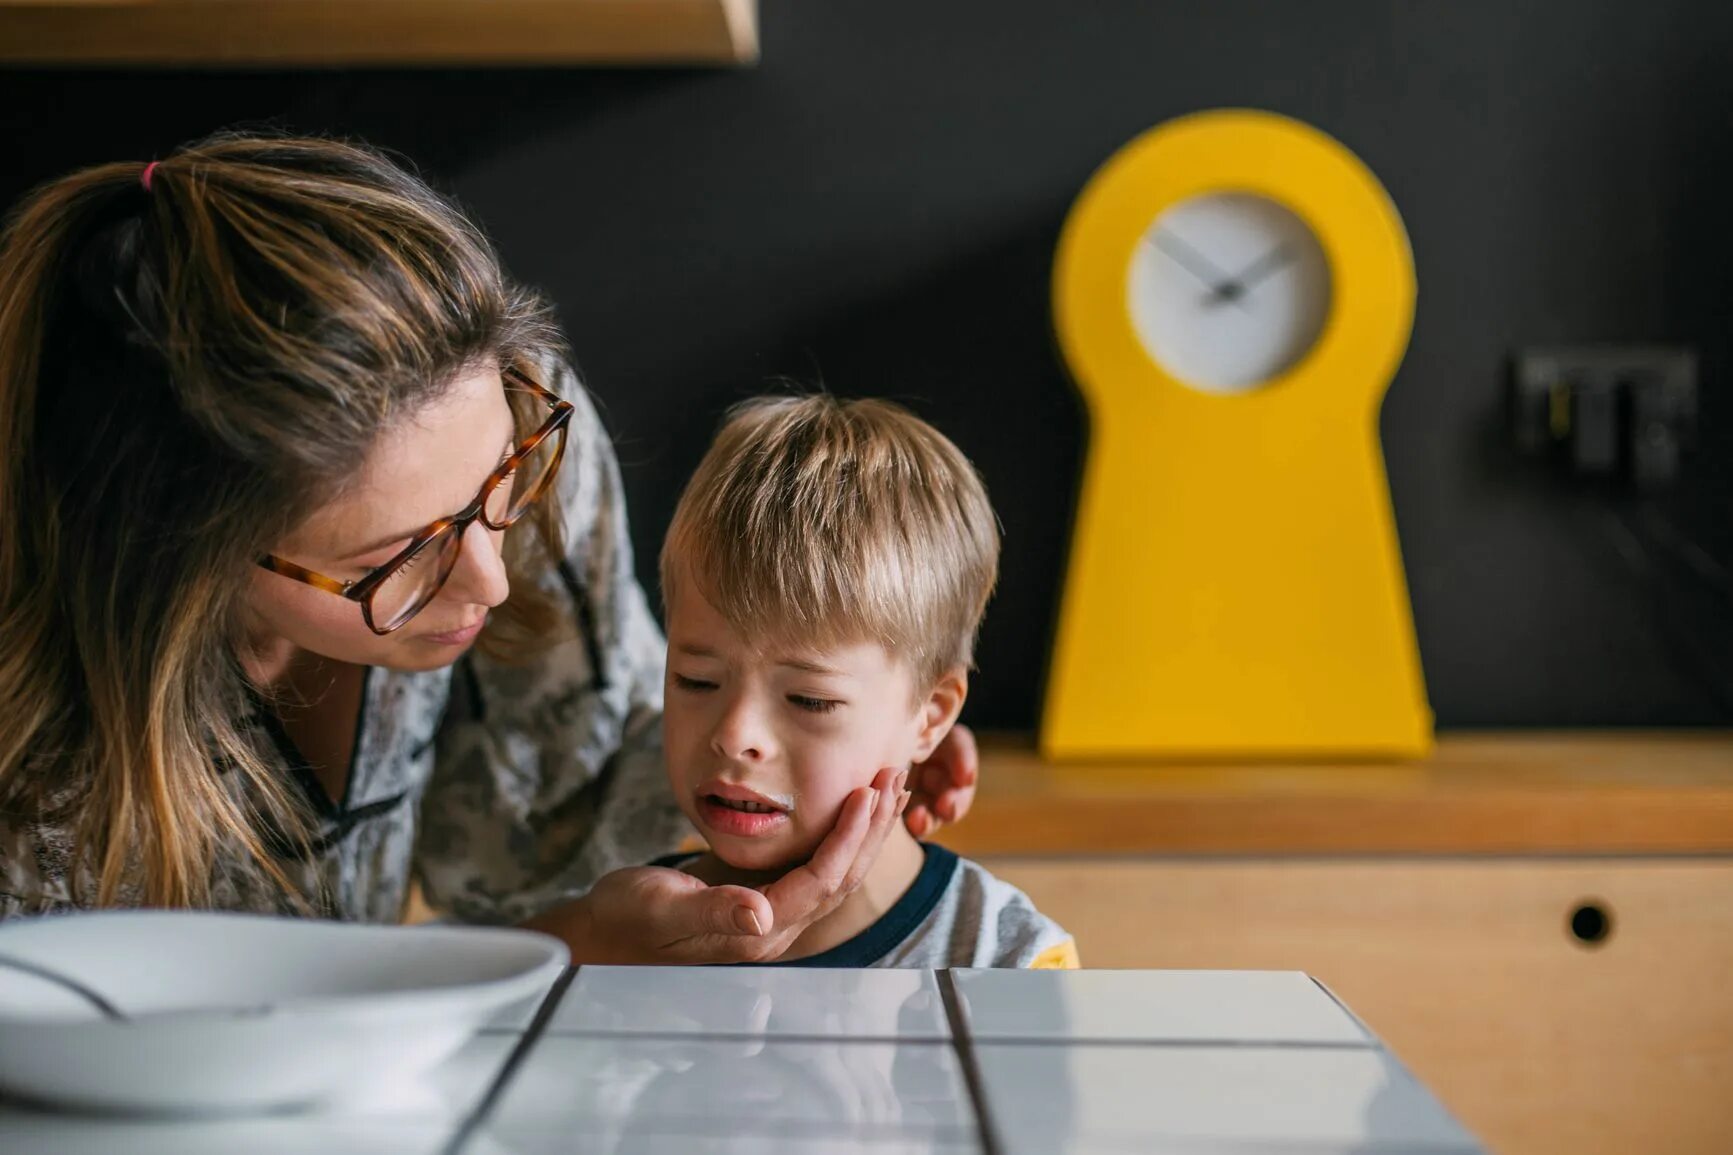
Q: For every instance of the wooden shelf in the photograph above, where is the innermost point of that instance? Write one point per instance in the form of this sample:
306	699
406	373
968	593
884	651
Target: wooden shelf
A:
1575	793
387	32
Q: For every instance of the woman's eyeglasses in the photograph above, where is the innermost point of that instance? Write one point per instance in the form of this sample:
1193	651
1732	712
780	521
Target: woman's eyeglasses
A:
395	592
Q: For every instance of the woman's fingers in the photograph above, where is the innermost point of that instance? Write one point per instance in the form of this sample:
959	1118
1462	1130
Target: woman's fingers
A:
656	915
814	889
649	914
700	927
722	910
966	758
887	813
945	783
720	924
799	896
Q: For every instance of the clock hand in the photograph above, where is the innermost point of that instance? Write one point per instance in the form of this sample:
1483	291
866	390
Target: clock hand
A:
1222	287
1265	266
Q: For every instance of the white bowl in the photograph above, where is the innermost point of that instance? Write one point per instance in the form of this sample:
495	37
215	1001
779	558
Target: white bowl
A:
233	1013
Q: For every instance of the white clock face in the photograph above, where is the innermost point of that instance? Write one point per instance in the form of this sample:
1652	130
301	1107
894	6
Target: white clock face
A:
1228	290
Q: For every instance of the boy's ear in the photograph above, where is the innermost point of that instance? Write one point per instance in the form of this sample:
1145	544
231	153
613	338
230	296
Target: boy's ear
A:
940	709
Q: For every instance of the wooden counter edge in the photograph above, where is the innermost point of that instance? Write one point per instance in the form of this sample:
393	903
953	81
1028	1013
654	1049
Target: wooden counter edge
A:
1667	793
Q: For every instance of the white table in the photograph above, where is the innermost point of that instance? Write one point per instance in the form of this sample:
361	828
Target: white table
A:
649	1061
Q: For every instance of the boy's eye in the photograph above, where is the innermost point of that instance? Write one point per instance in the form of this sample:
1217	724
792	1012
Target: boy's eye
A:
695	685
814	705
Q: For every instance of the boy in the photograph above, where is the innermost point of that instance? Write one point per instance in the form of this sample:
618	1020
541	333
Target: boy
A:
824	577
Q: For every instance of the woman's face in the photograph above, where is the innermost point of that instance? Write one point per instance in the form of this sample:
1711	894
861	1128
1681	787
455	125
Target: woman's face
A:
428	467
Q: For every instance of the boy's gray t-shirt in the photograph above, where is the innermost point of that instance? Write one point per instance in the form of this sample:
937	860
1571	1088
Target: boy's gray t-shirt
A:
955	914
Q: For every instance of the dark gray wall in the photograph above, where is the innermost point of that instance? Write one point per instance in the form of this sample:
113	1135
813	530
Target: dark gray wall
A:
875	207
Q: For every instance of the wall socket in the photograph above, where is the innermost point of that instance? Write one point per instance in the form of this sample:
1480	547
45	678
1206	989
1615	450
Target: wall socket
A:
1624	413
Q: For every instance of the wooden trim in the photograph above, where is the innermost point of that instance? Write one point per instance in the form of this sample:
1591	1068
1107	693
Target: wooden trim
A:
392	32
741	20
1612	793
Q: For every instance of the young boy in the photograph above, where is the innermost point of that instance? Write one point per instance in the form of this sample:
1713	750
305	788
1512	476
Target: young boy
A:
824	577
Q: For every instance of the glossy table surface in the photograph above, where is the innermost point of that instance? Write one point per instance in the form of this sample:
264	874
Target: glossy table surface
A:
645	1061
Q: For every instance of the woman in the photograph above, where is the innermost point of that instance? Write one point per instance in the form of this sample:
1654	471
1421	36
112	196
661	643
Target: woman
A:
315	579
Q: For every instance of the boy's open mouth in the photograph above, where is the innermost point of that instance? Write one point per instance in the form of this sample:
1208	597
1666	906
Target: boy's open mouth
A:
730	808
742	805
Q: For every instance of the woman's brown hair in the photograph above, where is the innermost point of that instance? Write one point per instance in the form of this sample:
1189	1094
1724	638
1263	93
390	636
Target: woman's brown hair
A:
190	365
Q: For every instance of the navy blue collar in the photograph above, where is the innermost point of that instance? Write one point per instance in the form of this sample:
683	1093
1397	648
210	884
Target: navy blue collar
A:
892	928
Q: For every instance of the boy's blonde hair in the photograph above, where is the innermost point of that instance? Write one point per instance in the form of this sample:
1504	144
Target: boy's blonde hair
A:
817	521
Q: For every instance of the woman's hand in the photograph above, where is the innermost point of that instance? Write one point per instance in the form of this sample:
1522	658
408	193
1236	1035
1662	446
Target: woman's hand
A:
944	785
653	915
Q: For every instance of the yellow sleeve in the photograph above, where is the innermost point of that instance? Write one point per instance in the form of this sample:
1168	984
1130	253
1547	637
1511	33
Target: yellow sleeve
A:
1061	957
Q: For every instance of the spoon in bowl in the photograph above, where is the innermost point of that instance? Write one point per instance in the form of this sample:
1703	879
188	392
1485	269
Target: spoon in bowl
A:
65	982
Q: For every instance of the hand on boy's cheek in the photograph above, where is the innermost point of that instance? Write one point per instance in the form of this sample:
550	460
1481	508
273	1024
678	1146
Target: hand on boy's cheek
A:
650	914
944	785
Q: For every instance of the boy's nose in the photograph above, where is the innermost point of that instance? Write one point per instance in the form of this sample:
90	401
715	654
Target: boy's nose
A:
740	734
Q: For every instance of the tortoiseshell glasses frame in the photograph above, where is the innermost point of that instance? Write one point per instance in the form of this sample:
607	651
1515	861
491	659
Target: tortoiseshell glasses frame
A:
364	589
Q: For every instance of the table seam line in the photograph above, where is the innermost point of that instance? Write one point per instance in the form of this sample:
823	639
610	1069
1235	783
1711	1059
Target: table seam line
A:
963	1044
532	1034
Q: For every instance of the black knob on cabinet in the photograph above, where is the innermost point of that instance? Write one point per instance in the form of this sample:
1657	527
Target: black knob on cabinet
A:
1591	923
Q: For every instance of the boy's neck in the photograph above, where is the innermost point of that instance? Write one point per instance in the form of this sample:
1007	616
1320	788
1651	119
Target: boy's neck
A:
892	873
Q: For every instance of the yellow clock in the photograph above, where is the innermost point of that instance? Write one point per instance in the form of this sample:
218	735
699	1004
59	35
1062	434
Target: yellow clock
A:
1232	293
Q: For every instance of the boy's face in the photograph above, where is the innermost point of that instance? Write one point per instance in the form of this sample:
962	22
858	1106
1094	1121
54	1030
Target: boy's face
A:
763	748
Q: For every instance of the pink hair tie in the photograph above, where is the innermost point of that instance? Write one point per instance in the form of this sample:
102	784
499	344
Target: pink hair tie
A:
148	169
